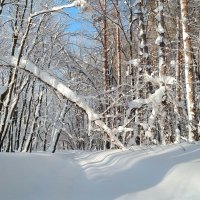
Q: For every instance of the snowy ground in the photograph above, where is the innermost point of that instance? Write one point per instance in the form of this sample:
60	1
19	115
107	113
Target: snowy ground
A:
170	172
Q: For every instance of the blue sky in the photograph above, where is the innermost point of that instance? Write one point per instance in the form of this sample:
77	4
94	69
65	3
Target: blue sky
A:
76	22
75	25
74	13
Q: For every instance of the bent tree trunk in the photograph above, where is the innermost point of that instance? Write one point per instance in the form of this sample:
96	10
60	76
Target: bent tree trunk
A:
58	86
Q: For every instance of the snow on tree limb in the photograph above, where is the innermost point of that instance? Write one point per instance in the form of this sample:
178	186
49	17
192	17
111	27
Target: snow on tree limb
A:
160	80
153	99
76	3
51	81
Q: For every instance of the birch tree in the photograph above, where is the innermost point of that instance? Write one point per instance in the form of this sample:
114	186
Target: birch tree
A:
189	74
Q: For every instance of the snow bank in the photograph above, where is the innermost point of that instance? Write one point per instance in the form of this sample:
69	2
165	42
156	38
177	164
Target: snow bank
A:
163	172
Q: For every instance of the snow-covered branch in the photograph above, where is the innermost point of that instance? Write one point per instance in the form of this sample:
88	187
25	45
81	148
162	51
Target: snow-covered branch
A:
166	80
155	99
52	82
76	3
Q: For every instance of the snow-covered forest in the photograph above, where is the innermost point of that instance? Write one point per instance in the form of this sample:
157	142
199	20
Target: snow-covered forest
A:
129	75
99	99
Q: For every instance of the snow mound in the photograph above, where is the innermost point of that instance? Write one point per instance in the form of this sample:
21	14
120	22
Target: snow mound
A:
157	173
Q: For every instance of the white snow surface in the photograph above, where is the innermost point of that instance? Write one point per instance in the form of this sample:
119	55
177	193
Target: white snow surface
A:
153	173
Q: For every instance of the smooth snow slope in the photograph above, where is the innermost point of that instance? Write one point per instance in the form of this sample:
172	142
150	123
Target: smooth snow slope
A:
170	172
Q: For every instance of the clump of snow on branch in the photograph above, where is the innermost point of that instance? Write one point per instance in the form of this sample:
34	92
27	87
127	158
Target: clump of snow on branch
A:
166	80
160	29
81	3
159	8
135	62
155	99
159	40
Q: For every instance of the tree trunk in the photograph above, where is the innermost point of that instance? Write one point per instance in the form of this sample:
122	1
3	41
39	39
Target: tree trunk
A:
161	36
105	46
119	75
189	76
179	72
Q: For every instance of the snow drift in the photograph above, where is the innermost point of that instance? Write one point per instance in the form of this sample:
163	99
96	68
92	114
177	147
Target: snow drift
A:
162	172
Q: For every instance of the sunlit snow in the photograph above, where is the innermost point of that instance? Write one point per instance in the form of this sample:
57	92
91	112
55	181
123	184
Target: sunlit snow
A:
161	172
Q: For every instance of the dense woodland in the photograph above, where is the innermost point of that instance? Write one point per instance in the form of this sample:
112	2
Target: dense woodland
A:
129	76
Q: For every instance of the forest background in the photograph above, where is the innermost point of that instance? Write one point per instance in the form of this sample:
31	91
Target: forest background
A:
129	76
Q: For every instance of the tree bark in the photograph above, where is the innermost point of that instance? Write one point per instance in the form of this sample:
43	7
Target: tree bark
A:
161	37
189	76
119	74
105	46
